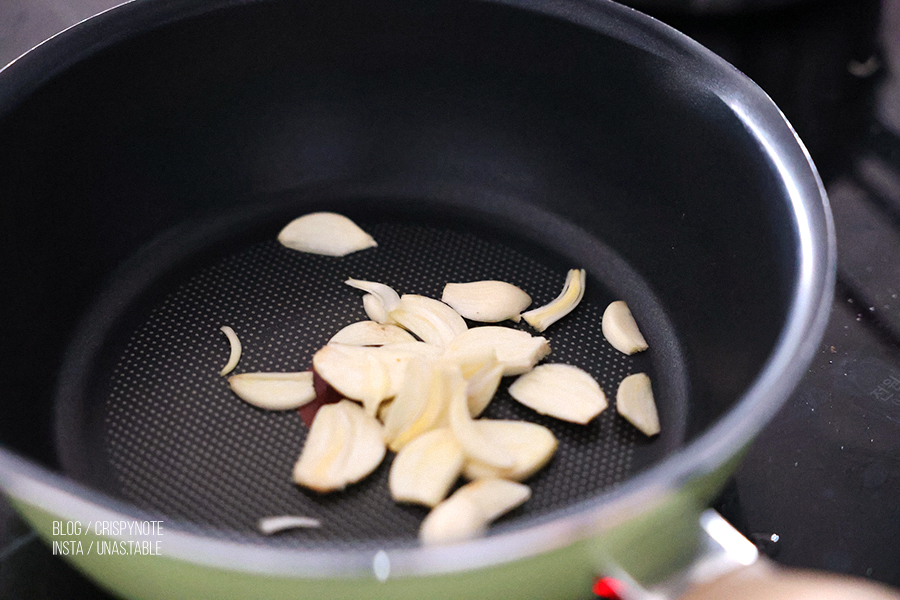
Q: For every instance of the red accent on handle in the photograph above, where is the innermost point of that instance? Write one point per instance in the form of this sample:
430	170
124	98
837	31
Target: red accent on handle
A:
609	588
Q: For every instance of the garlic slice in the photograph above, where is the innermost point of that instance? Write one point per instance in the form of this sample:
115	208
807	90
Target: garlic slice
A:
274	391
518	351
531	445
371	333
481	386
355	372
486	301
456	519
634	401
431	320
422	402
426	468
326	450
562	391
343	445
370	374
621	330
466	513
482	372
235	354
325	233
379	300
374	308
396	357
475	442
270	525
573	291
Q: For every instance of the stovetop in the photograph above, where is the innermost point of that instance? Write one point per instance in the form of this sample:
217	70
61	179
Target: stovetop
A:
820	487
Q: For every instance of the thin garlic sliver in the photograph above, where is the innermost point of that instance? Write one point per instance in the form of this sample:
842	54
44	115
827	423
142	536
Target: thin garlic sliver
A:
325	233
343	446
486	301
561	391
371	333
466	513
431	320
274	391
530	444
270	525
235	354
425	469
621	330
518	351
573	291
634	401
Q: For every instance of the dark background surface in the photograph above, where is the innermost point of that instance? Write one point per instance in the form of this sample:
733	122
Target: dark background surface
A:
824	477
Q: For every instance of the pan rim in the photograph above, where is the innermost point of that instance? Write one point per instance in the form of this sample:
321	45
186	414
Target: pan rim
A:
810	306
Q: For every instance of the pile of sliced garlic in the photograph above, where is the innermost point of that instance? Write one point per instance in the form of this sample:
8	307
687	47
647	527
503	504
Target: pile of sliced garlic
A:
415	378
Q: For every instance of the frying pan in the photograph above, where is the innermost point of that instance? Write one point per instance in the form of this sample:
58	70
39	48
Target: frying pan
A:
148	158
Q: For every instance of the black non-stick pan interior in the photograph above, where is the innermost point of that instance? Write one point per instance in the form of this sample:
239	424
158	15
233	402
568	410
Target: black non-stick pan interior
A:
145	180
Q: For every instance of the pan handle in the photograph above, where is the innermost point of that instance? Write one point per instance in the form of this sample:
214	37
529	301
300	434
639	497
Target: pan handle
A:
764	580
729	567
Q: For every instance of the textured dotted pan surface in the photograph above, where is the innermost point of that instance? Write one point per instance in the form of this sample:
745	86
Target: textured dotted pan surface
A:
178	442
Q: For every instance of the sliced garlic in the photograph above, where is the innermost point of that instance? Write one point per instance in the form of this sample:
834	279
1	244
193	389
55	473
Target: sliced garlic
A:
620	329
355	372
481	388
530	444
274	391
495	497
374	308
371	333
422	402
466	513
518	351
634	401
431	320
573	291
486	301
426	468
395	357
379	300
235	354
370	374
476	443
562	391
343	445
325	233
326	450
270	525
453	520
482	372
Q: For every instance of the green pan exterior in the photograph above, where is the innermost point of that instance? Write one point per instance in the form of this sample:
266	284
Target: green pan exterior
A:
651	545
